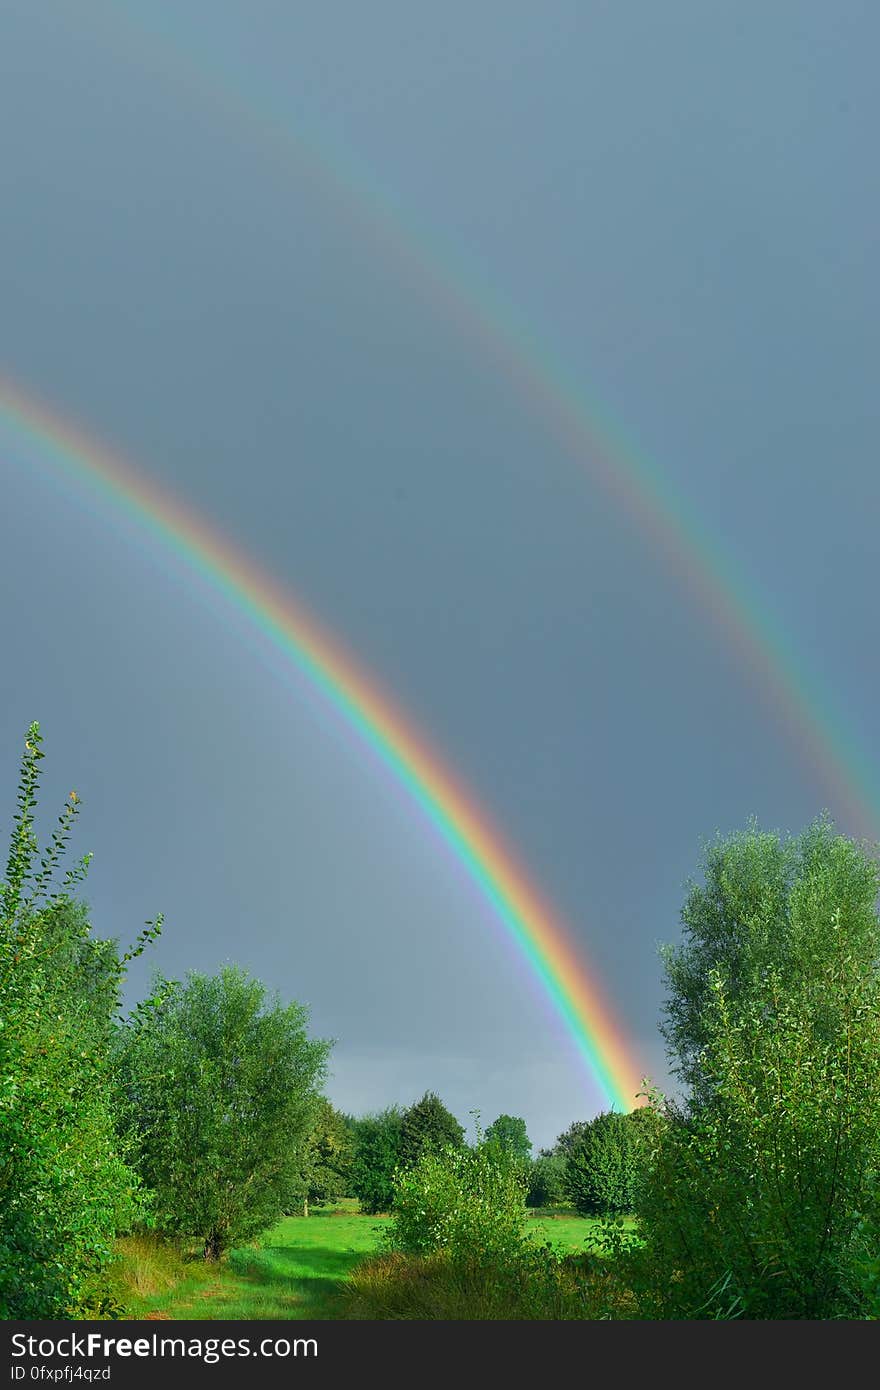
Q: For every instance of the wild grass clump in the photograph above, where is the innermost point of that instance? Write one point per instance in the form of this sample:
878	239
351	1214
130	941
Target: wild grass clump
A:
146	1265
536	1286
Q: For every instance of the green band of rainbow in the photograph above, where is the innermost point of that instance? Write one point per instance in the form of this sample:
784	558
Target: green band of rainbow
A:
70	456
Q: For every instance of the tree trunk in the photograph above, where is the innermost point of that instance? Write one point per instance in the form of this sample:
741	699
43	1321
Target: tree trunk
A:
305	1206
212	1246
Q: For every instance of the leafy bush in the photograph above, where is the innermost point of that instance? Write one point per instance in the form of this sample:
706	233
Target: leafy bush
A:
768	1191
864	1269
65	1188
469	1202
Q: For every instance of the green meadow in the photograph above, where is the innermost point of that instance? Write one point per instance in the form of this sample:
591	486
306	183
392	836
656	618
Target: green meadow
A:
298	1269
564	1229
294	1270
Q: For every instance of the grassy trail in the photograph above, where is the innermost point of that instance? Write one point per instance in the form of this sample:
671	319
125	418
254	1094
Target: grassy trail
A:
293	1271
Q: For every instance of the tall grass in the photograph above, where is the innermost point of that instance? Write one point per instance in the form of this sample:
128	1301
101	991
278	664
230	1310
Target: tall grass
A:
538	1286
145	1266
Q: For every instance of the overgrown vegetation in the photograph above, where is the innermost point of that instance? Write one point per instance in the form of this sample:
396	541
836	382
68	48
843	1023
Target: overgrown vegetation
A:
65	1186
760	1198
540	1285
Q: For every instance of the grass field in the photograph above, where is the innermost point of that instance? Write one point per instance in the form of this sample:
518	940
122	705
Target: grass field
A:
564	1230
294	1271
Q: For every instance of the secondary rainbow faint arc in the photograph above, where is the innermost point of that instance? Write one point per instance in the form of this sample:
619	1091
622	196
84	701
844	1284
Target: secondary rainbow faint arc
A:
812	723
451	809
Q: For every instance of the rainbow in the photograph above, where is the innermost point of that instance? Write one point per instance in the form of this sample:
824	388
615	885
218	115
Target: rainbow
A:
740	615
76	460
816	729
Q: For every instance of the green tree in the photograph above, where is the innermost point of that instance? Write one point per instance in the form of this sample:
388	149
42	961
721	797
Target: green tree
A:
221	1089
548	1186
765	908
569	1140
428	1125
760	1198
603	1164
375	1159
65	1188
78	956
324	1169
509	1131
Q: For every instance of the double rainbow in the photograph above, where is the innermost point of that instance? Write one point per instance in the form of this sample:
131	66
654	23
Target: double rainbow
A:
740	615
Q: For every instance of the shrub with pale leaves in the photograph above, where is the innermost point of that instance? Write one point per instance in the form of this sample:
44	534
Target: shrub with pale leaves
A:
469	1202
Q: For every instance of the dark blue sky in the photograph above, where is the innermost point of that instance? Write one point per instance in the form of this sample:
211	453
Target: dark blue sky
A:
679	205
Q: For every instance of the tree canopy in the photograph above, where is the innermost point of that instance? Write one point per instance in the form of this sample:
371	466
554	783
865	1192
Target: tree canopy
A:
428	1125
602	1163
220	1088
376	1158
325	1158
769	907
510	1133
761	1195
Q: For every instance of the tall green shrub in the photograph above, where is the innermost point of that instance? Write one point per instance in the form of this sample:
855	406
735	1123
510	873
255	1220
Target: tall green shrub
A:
65	1189
548	1182
469	1202
761	1198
